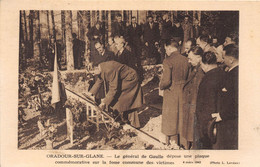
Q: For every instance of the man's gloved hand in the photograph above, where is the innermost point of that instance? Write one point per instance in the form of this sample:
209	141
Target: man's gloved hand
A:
90	66
102	104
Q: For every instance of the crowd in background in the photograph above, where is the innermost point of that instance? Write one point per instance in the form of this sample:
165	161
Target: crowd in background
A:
145	41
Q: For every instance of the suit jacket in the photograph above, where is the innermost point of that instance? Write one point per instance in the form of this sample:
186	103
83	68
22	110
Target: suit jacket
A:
96	59
166	30
175	73
187	31
118	29
227	137
196	32
177	32
112	48
207	103
127	58
134	35
78	52
124	91
151	35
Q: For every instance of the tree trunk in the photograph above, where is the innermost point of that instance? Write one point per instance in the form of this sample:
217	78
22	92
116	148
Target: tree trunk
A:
21	43
69	46
100	16
122	13
93	18
199	17
175	14
63	30
75	22
31	48
142	17
130	17
85	22
48	25
39	36
53	25
21	28
106	26
25	51
81	17
79	21
25	27
103	22
109	22
171	13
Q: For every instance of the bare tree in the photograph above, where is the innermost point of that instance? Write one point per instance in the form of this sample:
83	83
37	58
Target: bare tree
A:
21	43
48	25
39	35
25	26
53	25
31	48
79	22
63	30
69	45
21	28
84	26
109	23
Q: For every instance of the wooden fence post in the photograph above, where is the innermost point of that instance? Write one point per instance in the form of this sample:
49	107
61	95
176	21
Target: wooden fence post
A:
69	121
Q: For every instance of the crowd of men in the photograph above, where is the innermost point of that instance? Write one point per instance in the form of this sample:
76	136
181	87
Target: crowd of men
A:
200	79
200	100
146	40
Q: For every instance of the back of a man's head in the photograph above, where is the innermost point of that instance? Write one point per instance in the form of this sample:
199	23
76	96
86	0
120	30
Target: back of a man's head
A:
209	58
204	38
74	35
172	43
231	50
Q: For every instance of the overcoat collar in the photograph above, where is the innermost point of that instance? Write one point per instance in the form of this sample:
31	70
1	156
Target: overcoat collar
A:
193	72
175	53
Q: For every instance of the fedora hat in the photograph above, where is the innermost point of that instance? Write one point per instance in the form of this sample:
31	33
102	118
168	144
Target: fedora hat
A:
212	130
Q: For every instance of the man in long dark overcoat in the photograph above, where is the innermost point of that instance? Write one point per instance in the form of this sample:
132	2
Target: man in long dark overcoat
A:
196	29
151	36
78	51
166	33
227	128
190	91
124	91
207	100
134	33
175	73
118	28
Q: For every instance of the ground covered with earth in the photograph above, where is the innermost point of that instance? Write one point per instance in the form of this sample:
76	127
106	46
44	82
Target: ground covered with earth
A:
40	127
